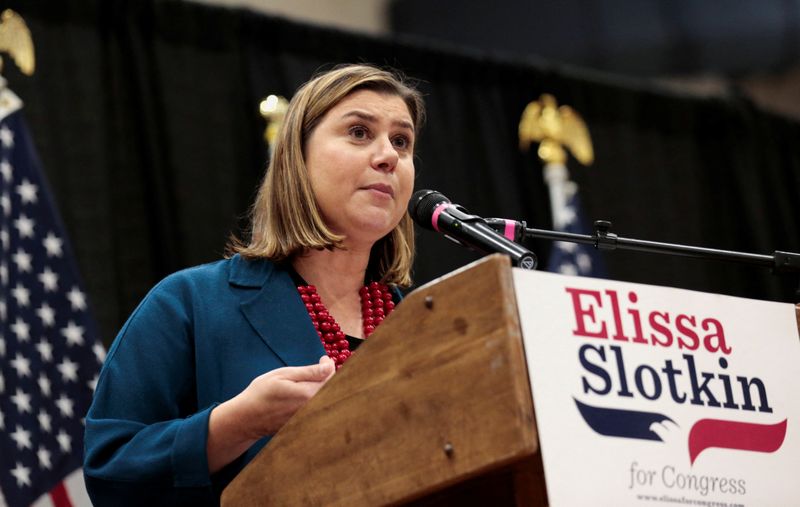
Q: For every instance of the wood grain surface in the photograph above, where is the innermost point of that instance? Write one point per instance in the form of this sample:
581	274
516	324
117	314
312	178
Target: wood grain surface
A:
435	406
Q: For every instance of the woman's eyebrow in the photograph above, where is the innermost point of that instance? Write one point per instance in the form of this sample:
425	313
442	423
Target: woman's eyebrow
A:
363	115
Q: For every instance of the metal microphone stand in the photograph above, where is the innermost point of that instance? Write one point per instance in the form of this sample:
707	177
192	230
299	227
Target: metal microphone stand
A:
604	239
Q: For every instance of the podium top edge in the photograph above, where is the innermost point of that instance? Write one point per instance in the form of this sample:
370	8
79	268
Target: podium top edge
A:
499	259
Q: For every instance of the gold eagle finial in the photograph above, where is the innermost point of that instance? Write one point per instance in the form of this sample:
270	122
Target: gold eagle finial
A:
15	39
555	127
273	109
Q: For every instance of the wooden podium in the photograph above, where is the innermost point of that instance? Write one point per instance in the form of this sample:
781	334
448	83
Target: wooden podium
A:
434	409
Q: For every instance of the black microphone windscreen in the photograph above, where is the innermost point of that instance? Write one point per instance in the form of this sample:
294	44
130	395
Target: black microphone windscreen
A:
422	205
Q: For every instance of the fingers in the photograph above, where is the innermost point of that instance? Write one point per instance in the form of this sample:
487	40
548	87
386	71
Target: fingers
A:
273	397
319	372
328	365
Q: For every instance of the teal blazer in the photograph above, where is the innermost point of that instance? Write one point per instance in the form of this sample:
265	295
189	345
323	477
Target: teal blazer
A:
197	339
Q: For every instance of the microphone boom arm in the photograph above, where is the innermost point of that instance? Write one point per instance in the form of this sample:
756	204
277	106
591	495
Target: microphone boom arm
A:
604	239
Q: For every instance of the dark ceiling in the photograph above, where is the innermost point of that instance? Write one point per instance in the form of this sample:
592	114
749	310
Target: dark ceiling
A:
634	37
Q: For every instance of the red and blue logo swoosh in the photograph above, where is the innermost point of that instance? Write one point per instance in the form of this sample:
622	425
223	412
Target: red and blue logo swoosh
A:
704	434
614	422
707	433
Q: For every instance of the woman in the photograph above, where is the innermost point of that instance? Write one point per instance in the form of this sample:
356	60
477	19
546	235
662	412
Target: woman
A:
217	358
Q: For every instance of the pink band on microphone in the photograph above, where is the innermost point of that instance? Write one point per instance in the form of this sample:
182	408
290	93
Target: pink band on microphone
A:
509	232
435	218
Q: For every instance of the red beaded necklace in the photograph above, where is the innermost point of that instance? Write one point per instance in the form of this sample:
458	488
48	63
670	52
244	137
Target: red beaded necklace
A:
376	304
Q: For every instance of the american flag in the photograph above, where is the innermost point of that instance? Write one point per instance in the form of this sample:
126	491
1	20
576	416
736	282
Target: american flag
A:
576	259
50	355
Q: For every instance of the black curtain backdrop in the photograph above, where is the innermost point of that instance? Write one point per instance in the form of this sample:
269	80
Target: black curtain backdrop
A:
145	115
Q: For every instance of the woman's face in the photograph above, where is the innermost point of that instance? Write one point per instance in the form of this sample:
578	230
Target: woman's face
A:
360	161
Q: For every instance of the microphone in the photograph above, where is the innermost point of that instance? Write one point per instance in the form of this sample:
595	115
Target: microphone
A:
511	229
432	210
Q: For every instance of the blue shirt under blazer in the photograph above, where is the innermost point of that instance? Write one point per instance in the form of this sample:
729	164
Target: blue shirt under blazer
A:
198	338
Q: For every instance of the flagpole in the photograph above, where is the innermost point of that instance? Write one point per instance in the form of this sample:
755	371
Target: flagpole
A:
558	129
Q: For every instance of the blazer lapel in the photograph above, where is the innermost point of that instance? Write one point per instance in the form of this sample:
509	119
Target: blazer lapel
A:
275	311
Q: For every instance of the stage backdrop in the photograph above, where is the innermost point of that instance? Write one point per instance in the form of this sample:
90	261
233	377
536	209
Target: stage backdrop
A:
145	114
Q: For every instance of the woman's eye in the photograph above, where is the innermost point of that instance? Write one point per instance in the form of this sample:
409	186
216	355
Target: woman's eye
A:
402	142
359	132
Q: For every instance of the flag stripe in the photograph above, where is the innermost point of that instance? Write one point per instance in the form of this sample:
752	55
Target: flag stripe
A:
59	496
43	501
76	488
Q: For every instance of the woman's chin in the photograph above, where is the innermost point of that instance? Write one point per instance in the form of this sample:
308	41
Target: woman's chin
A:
367	224
370	231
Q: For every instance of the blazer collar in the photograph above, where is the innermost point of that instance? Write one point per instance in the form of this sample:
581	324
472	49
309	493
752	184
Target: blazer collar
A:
270	303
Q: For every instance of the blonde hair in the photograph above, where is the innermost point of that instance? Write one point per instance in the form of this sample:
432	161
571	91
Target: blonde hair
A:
285	219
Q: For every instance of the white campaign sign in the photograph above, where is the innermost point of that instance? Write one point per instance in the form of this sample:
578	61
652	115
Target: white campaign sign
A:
656	396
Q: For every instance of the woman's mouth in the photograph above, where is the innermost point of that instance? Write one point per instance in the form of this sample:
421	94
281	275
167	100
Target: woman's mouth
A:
382	188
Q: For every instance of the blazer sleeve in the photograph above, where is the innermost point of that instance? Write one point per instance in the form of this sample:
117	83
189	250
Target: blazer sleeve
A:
145	435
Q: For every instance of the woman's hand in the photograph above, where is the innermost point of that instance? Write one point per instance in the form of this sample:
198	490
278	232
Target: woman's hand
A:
272	398
262	409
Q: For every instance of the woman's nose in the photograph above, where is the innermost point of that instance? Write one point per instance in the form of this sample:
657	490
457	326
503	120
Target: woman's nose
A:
385	156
